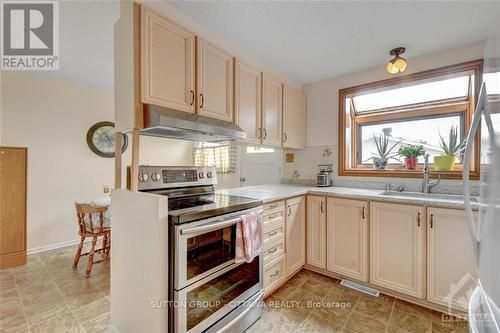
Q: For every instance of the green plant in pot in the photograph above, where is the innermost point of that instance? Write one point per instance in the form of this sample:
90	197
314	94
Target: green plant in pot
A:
384	152
451	149
411	154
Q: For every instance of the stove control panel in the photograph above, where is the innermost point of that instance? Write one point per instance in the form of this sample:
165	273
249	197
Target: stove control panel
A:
157	177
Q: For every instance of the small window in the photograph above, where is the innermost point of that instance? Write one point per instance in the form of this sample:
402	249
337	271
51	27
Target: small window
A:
223	157
416	109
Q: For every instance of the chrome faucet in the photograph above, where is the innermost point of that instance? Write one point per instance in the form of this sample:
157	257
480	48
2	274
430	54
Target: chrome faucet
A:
427	184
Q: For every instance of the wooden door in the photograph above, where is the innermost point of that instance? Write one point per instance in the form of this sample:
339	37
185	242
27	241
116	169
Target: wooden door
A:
167	63
247	101
347	238
316	231
294	118
451	272
397	247
214	81
13	182
272	111
295	227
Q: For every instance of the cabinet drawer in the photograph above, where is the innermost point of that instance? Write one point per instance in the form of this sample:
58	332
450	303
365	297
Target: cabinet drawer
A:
274	233
274	250
276	217
273	205
274	274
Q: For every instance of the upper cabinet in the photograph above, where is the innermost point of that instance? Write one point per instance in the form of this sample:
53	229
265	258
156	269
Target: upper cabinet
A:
294	118
272	111
167	63
214	81
247	101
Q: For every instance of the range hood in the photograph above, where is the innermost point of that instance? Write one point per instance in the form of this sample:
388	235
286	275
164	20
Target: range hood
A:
168	123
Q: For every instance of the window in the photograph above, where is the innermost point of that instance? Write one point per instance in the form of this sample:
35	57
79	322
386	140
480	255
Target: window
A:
223	157
259	150
415	109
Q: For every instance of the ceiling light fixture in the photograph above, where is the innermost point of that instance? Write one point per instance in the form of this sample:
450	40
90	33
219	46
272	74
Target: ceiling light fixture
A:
397	64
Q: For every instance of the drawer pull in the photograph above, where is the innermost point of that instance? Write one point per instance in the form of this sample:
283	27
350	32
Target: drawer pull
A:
274	274
273	205
272	217
273	250
274	233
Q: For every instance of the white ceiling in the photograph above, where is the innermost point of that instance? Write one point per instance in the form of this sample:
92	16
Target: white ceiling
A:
86	50
310	41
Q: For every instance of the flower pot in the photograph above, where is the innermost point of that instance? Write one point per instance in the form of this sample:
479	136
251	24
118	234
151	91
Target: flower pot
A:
444	163
411	163
379	163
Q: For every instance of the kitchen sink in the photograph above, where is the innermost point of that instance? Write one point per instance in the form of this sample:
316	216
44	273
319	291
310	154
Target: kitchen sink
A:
435	196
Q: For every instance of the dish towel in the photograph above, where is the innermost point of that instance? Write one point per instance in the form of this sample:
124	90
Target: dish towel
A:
248	237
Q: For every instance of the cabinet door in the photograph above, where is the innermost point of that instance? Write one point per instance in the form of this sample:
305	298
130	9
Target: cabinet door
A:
167	57
247	96
214	81
450	273
295	227
272	111
397	247
294	118
347	238
316	231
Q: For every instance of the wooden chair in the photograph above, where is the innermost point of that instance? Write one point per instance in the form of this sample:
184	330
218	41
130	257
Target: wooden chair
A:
89	227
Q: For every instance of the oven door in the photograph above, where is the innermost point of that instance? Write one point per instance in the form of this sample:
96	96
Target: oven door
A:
204	247
207	301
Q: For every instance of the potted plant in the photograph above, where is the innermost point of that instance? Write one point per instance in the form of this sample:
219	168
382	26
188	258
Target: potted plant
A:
411	154
451	150
384	152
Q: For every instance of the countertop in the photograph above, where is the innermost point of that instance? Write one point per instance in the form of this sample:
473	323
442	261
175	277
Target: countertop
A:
273	192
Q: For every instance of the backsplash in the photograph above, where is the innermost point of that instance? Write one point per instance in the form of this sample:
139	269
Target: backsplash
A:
303	170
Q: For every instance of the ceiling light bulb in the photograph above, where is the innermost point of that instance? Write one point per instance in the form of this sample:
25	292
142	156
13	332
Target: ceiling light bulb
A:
391	68
400	64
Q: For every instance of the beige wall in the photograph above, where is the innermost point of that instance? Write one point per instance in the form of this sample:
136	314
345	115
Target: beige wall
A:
51	118
322	111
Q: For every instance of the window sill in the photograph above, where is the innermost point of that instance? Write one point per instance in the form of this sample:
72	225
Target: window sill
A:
402	173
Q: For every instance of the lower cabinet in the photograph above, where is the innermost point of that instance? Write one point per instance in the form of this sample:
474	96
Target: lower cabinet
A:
450	264
397	247
295	229
316	231
274	274
347	238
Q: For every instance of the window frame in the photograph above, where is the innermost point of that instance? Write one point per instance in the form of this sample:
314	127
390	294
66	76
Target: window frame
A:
423	109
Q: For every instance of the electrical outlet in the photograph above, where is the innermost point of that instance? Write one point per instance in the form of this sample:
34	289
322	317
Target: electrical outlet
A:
105	188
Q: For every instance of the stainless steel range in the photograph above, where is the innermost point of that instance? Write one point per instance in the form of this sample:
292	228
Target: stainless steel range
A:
211	292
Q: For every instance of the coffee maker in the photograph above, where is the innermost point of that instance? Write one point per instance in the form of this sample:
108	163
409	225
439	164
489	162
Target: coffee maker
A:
324	178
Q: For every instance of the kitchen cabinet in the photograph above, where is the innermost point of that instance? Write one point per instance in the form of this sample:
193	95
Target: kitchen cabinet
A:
316	231
397	247
294	118
450	264
13	186
167	63
247	101
214	81
295	228
347	238
272	111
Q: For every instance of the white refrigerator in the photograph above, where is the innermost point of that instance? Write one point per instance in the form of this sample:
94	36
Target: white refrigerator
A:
484	312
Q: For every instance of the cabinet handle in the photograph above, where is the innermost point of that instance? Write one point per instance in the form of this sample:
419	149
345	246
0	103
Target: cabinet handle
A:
432	221
259	133
202	101
274	233
273	205
273	250
363	213
321	208
192	97
272	217
285	137
289	210
265	134
274	274
418	219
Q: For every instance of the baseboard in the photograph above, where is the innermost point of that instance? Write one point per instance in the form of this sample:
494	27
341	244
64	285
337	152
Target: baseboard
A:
54	246
12	259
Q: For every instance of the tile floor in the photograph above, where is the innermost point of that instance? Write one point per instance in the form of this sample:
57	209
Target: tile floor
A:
47	295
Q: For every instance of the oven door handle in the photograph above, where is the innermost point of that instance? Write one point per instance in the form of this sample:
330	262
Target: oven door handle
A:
209	226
